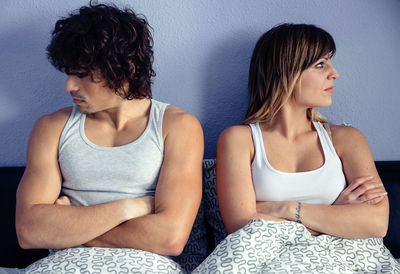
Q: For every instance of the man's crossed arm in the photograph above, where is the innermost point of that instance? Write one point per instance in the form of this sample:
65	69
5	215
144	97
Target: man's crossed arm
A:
42	221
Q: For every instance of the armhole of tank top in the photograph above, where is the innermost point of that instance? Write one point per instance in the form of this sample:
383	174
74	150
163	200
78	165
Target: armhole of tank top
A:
253	131
328	130
66	126
330	144
160	126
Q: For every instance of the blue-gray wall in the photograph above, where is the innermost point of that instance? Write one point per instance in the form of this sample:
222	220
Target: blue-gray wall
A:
202	52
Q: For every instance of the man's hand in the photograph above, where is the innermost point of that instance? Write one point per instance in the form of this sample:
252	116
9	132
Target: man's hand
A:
63	200
143	205
356	192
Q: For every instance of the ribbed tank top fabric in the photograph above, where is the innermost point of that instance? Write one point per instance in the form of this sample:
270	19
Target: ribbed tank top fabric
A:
95	174
320	186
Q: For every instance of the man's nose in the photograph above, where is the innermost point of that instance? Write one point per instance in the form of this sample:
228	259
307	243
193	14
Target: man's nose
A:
71	83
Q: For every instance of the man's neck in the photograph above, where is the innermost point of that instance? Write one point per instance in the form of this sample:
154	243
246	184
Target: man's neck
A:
129	110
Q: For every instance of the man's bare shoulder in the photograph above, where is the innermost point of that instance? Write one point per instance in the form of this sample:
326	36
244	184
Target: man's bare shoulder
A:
52	123
176	119
58	117
44	138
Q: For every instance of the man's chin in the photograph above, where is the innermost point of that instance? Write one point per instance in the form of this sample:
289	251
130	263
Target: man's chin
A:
85	110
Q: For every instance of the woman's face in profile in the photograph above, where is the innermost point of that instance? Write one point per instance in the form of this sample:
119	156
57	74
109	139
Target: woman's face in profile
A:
314	87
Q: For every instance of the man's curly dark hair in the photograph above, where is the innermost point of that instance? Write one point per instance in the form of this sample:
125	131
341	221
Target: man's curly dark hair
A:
104	39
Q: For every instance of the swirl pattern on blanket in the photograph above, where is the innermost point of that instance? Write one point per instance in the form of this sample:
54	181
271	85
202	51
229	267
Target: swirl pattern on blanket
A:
287	247
104	260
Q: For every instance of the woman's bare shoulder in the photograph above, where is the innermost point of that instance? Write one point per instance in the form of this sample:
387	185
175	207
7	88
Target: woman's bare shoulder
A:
236	140
344	132
347	137
236	133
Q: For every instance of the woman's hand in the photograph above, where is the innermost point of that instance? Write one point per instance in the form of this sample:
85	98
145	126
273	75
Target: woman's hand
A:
355	192
313	232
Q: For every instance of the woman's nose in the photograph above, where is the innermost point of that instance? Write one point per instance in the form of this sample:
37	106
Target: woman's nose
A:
334	74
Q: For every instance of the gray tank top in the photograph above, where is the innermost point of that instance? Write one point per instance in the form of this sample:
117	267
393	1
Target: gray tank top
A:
95	174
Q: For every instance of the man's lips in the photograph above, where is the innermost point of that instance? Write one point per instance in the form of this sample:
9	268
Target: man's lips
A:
77	100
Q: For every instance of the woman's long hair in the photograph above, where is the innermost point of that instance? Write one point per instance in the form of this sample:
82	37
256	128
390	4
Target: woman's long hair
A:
279	58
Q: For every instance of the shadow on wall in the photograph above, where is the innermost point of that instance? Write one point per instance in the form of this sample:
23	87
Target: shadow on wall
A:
225	87
29	87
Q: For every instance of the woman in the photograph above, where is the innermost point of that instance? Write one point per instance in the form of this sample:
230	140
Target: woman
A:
285	163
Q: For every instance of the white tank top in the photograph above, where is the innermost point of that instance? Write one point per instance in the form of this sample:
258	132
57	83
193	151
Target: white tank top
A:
95	174
320	186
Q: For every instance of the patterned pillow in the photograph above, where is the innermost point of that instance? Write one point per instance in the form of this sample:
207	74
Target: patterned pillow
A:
208	229
392	239
212	213
196	249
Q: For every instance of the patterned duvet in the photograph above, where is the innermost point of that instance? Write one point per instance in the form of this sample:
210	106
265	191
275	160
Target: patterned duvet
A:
287	247
259	247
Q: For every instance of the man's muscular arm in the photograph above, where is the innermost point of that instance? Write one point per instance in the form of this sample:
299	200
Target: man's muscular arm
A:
177	197
42	223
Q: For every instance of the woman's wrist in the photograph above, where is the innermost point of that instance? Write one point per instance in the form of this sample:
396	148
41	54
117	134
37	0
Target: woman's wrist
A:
298	213
289	210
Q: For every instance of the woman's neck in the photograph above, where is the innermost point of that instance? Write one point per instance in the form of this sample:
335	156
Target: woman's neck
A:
290	122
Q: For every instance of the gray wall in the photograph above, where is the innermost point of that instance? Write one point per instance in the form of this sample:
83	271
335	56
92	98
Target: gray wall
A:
202	52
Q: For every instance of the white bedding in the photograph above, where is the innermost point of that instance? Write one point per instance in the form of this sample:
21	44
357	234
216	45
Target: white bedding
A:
104	260
287	247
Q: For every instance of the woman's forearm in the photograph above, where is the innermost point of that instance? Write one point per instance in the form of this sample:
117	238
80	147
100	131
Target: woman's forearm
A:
346	221
266	207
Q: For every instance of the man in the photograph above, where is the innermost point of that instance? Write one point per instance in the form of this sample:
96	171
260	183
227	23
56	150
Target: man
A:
128	167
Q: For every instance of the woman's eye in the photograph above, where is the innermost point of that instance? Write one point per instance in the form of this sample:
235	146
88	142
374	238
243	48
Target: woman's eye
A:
320	65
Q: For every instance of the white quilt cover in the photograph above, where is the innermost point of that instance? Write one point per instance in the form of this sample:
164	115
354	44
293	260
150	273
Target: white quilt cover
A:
287	247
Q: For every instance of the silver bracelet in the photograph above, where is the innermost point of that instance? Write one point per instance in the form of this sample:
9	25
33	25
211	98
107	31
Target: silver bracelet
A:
298	216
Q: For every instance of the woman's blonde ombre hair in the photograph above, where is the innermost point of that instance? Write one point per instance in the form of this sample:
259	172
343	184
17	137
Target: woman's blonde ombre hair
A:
279	58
